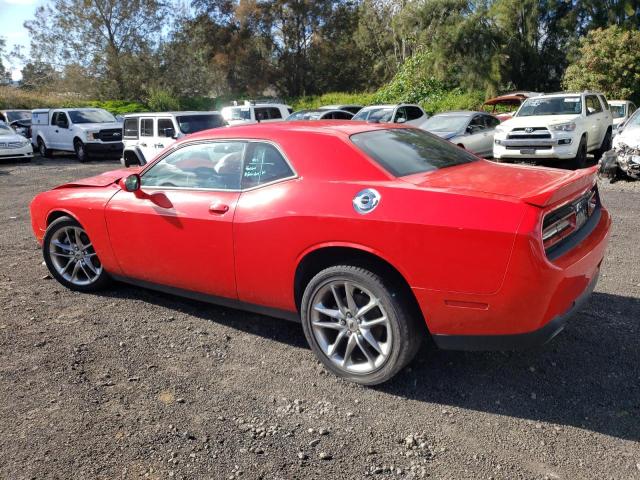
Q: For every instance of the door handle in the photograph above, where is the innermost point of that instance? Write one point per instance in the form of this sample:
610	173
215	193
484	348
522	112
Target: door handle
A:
57	131
143	144
158	145
219	208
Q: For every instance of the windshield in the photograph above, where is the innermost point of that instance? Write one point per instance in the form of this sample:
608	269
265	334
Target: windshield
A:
239	113
91	116
381	114
551	106
306	115
404	151
618	111
197	123
19	115
4	130
446	123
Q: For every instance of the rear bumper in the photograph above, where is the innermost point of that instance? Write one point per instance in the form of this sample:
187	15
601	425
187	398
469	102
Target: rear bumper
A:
105	148
518	341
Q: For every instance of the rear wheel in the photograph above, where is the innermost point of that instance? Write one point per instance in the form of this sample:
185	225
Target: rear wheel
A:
42	149
81	150
71	258
580	159
360	328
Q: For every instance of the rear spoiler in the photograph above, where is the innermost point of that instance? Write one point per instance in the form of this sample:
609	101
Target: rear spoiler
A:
566	187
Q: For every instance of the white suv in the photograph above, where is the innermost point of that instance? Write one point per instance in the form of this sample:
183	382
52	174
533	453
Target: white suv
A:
147	134
254	112
563	126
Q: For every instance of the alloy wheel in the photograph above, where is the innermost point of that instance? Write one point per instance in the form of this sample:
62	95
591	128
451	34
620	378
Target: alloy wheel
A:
74	257
351	327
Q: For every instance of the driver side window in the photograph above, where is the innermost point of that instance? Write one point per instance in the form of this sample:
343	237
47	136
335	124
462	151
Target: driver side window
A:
477	124
215	166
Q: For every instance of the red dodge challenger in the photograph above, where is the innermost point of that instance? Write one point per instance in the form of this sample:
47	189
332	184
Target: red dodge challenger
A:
373	235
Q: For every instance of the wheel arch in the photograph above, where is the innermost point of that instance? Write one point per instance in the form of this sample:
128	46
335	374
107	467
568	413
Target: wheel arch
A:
54	215
320	257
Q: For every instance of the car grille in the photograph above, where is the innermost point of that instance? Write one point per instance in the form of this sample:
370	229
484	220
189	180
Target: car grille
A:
111	135
11	145
535	133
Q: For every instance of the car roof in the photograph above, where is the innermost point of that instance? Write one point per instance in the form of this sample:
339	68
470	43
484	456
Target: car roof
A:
339	106
618	102
260	105
157	114
273	130
460	113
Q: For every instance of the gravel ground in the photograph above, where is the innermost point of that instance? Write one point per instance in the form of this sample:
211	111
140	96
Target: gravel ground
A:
135	384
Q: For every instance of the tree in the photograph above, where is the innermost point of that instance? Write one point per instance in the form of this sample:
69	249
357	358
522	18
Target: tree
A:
608	61
5	75
106	38
39	76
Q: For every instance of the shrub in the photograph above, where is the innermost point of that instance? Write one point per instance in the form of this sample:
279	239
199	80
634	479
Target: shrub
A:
162	101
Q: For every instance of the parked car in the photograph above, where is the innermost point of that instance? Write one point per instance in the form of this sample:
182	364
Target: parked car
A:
19	120
252	112
504	106
347	108
147	134
472	131
320	114
556	126
84	131
14	146
626	149
373	235
621	111
403	113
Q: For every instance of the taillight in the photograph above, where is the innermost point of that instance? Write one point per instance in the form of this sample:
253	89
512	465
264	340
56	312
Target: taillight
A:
567	219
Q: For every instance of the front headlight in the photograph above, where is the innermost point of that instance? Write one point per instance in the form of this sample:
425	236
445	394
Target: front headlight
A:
93	135
500	129
564	127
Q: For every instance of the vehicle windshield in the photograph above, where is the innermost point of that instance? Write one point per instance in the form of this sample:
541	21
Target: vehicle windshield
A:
404	151
306	115
5	130
91	116
380	114
550	106
19	115
236	113
446	123
197	123
634	120
618	111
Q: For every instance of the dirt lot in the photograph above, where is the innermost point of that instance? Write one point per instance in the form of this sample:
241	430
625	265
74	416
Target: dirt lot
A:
131	383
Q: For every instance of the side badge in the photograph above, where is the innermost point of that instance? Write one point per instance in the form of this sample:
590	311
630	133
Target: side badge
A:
366	201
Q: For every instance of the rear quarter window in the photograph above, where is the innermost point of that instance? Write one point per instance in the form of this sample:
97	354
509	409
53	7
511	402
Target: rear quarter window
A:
407	151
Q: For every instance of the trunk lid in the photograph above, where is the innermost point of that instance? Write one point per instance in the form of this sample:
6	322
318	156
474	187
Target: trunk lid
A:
537	186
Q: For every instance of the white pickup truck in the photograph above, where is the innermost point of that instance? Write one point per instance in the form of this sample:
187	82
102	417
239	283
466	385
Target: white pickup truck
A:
85	131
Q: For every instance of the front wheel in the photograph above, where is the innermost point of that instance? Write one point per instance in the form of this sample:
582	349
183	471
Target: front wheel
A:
360	328
580	159
43	150
81	151
71	258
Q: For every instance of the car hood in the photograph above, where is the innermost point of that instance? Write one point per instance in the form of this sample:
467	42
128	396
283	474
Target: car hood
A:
538	121
630	136
98	126
14	137
102	180
534	185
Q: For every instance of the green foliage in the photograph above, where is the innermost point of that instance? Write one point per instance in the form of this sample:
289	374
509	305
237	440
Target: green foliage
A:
608	61
162	101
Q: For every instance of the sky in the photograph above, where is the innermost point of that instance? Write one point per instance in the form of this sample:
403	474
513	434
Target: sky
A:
13	14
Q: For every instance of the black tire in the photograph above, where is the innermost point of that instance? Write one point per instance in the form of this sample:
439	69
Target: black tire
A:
43	150
56	227
81	151
580	159
406	326
605	146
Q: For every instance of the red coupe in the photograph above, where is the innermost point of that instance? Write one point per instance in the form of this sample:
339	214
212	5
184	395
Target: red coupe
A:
373	235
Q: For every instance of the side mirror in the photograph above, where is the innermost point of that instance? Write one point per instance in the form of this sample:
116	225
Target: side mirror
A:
469	129
132	183
401	120
170	133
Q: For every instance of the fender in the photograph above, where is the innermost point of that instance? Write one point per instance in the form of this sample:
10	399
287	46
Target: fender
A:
137	160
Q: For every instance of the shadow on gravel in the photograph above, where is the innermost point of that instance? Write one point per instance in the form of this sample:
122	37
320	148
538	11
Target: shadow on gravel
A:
587	377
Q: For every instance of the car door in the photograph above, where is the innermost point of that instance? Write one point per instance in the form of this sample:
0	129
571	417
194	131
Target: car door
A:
177	230
487	145
596	126
476	136
400	116
63	132
148	138
166	131
415	116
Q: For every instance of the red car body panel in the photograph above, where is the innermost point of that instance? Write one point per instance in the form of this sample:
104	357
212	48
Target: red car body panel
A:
466	239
